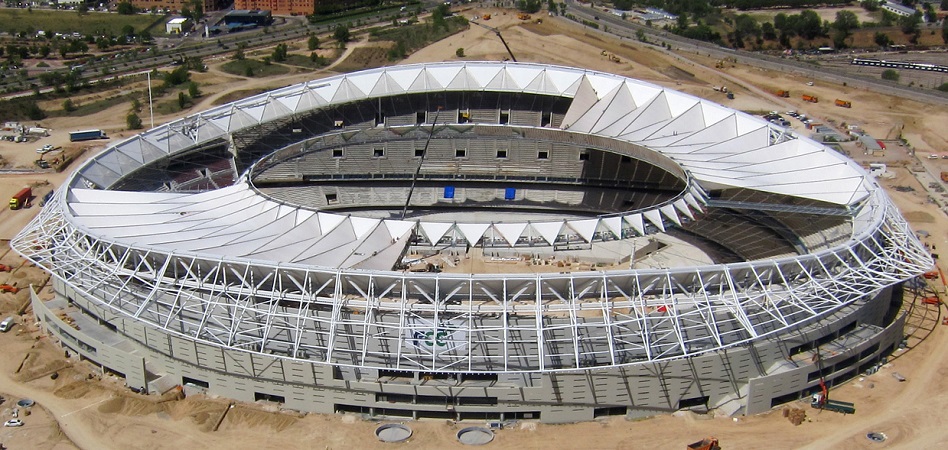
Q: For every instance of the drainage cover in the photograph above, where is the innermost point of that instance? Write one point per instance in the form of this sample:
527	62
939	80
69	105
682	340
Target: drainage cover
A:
475	436
392	432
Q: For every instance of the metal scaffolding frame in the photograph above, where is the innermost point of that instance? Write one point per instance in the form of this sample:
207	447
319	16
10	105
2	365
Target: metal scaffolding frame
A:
546	322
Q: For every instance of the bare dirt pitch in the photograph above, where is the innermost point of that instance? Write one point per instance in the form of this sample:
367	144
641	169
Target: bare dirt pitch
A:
99	413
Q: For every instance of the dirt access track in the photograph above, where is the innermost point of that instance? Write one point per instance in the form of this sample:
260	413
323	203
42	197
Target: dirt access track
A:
83	408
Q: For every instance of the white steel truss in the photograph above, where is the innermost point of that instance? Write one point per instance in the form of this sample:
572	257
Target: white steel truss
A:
476	322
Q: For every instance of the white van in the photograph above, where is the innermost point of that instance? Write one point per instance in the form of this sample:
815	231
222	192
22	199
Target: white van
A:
7	324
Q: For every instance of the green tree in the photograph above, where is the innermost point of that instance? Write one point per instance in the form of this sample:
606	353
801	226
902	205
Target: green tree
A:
126	8
682	24
33	111
530	6
846	22
944	30
341	35
279	53
239	53
312	43
136	105
133	122
68	105
183	100
438	15
882	39
909	24
193	90
890	74
459	52
248	71
944	5
870	5
809	24
943	87
82	9
128	30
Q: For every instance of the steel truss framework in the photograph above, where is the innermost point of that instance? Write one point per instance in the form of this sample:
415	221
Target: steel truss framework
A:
545	322
477	322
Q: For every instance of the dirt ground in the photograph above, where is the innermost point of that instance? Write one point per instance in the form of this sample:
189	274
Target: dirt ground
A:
83	408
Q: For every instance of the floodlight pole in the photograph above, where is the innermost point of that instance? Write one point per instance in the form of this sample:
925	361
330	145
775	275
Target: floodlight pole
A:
151	109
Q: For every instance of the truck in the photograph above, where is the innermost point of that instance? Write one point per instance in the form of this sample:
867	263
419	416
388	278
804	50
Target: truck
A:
86	135
810	98
844	103
782	93
20	198
709	443
821	400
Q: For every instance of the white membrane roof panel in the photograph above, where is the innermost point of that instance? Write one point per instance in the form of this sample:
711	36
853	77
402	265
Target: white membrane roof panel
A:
717	146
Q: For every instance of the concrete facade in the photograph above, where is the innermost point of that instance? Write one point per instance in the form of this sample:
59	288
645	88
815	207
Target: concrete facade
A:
748	379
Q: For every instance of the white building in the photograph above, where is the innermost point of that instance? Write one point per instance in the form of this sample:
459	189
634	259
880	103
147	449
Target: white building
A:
898	9
178	25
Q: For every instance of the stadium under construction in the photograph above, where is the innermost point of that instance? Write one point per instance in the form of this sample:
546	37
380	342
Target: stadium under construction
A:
476	240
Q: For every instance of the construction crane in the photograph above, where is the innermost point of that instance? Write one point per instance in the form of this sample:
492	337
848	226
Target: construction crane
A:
497	32
421	161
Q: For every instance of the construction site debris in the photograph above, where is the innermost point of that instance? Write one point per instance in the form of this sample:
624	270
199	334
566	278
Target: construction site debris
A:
796	416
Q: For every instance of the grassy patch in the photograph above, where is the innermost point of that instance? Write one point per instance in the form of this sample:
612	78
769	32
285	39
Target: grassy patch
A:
95	107
305	61
364	58
21	20
237	95
257	69
413	37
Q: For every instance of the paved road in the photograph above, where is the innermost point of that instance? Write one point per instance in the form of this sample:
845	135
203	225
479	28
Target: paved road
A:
626	29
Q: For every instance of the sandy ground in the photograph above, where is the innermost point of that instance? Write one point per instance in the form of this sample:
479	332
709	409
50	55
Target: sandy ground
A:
76	411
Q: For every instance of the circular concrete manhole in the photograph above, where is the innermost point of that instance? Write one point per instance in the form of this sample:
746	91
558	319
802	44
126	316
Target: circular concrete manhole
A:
475	436
393	432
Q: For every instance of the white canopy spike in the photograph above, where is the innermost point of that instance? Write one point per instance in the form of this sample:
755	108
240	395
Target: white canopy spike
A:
510	231
548	230
435	230
398	228
586	228
635	221
473	231
655	218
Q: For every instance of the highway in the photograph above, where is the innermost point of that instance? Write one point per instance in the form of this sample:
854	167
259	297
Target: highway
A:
627	30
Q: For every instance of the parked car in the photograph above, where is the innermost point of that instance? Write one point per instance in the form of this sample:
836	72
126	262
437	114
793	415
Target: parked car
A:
7	324
13	423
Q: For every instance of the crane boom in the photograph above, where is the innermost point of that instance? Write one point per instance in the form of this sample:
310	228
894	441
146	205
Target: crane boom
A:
497	32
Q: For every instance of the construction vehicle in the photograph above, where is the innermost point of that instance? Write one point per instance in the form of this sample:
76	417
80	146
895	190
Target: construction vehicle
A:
86	135
844	103
612	56
944	177
485	17
9	288
810	98
497	32
821	400
782	93
931	274
20	198
523	16
708	443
